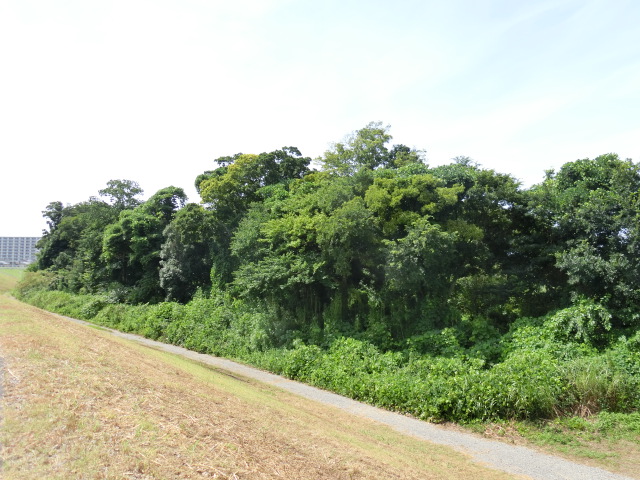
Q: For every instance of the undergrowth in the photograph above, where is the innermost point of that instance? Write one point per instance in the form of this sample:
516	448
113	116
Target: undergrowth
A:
538	372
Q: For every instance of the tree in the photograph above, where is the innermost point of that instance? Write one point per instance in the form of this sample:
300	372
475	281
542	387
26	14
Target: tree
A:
488	217
591	211
303	248
122	194
230	190
350	243
421	269
131	246
53	213
186	254
399	199
72	246
365	148
279	265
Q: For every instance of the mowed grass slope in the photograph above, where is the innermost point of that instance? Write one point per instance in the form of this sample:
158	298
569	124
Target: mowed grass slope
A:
79	403
9	277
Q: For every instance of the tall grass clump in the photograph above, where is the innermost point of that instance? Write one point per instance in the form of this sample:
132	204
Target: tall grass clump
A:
596	383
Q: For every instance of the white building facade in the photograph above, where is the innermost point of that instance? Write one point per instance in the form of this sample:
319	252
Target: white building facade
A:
17	251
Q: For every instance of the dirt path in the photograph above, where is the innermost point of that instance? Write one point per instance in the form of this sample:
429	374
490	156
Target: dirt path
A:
508	458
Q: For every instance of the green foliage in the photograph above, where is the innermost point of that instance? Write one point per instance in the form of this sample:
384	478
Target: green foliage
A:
590	208
439	343
231	189
157	318
422	262
449	293
525	385
365	148
92	306
186	256
122	194
32	282
585	322
596	383
131	246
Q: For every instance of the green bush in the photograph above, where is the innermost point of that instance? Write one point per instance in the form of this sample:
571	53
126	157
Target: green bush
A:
586	322
547	368
59	302
443	342
33	282
157	318
121	317
300	362
94	304
598	383
527	384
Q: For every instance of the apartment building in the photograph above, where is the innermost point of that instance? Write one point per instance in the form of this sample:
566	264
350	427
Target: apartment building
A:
17	251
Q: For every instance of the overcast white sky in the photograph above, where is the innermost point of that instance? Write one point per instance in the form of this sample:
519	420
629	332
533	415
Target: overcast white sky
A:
154	91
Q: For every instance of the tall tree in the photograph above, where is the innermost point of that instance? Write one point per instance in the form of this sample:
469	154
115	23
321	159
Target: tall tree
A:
122	194
73	245
229	191
186	254
365	148
592	212
131	246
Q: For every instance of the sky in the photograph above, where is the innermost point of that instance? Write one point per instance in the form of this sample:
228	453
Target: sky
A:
155	91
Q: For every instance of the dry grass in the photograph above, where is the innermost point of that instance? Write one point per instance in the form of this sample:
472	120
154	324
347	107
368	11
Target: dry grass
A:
79	404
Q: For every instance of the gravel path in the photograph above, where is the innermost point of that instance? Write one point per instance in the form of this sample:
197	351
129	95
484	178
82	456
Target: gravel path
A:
508	458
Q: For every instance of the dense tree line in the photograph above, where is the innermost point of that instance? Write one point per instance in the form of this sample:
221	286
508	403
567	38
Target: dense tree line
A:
448	292
374	242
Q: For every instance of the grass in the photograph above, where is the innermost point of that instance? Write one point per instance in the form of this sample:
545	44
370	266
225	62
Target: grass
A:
79	403
306	431
609	441
9	277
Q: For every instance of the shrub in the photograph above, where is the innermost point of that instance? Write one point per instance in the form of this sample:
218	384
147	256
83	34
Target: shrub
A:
120	316
598	383
300	362
436	342
157	318
550	366
92	306
586	322
33	282
527	384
